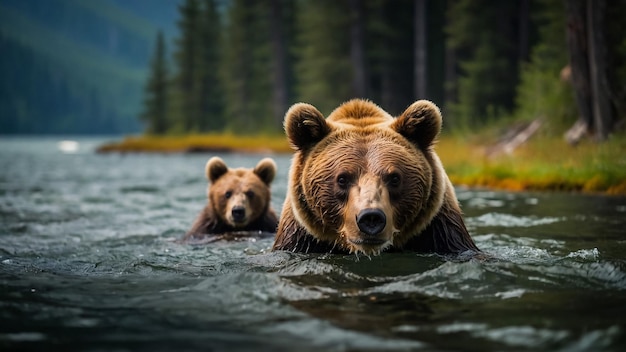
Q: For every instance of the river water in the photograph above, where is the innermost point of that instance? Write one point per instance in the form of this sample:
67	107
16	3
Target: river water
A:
88	261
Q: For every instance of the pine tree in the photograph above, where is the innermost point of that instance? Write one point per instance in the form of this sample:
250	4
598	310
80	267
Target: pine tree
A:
420	48
390	54
483	34
541	93
156	91
323	70
281	11
210	97
186	113
246	67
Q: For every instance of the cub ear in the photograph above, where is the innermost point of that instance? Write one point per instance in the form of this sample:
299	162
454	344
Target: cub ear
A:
215	168
305	126
420	123
266	170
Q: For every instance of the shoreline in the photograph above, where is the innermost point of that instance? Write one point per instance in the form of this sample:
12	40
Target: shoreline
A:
198	143
545	164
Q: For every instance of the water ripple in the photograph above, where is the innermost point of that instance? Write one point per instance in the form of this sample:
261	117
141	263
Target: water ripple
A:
508	220
89	257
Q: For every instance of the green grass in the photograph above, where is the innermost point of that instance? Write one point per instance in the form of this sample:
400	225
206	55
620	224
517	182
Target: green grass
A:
544	163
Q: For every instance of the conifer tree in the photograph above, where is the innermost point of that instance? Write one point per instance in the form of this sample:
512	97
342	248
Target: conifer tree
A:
389	53
246	67
541	93
483	34
281	13
156	91
185	100
210	97
324	69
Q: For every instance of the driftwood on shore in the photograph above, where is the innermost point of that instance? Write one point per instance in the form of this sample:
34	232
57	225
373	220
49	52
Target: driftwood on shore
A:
513	138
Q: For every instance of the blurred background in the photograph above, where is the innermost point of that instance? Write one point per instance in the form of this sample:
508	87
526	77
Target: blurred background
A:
196	66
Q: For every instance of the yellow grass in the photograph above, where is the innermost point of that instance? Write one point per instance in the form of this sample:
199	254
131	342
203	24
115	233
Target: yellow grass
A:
199	142
543	163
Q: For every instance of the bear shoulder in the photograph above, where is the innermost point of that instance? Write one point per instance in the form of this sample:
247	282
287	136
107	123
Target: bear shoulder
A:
207	223
445	234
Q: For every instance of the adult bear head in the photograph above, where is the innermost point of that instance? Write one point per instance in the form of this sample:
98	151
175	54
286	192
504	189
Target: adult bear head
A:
363	181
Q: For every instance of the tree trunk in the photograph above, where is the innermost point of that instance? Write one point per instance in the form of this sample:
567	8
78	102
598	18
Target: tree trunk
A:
387	89
578	56
357	48
588	60
419	47
524	24
601	103
450	81
279	64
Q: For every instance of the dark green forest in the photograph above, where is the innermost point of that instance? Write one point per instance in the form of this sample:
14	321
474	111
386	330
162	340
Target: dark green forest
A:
237	65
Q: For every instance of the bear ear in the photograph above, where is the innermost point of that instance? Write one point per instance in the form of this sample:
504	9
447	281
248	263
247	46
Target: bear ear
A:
266	170
305	126
420	123
215	168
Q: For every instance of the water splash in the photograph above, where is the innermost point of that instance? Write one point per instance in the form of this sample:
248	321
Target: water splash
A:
508	220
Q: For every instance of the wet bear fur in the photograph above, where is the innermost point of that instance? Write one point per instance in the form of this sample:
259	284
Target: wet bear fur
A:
362	181
238	200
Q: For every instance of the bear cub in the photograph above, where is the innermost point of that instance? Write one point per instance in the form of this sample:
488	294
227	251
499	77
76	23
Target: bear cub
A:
238	200
362	181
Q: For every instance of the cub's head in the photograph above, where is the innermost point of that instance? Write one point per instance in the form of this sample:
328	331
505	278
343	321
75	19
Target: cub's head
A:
361	179
239	196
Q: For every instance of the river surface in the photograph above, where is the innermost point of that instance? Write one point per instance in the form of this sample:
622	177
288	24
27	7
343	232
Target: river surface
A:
89	261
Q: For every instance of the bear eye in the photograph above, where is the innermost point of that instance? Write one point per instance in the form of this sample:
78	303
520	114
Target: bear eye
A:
394	180
250	195
228	194
343	180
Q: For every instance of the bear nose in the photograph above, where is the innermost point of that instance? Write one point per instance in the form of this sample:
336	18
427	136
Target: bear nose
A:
371	221
239	213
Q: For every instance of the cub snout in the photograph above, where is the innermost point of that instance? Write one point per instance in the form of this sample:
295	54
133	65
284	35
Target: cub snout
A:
239	214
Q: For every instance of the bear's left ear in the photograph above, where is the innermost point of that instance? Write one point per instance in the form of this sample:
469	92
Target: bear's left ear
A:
215	168
305	126
266	170
420	123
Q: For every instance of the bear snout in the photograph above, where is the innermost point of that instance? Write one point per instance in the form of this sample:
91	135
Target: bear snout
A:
238	213
371	221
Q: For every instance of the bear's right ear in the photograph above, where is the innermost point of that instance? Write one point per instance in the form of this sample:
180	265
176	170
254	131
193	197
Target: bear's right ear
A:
305	126
215	168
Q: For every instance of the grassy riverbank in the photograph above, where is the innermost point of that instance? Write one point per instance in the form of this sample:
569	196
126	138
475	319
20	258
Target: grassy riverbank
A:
543	163
198	143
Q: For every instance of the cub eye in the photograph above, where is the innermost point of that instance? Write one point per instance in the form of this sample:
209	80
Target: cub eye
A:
228	194
393	180
343	180
250	195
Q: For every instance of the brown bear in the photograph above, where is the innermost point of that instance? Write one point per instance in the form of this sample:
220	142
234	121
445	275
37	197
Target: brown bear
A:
362	181
238	200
